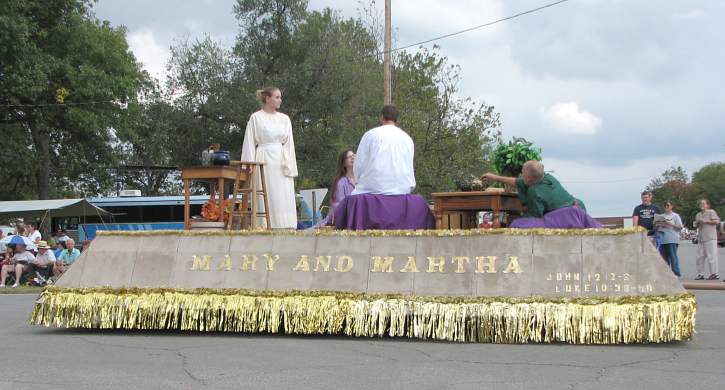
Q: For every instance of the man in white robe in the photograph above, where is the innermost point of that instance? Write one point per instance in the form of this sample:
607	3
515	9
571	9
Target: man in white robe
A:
384	158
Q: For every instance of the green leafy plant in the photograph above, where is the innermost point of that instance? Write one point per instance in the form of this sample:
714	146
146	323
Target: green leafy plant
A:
509	158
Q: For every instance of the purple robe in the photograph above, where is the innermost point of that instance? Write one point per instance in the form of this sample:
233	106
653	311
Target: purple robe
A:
343	189
388	212
571	217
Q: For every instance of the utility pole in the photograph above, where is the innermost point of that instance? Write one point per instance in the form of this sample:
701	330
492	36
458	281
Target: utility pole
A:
387	79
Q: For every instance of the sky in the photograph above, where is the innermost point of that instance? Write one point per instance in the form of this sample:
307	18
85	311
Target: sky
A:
614	91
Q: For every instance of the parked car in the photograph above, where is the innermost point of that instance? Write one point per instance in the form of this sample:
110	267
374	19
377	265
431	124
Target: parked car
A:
720	235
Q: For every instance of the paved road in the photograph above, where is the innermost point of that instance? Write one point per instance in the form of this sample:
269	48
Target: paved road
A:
688	255
41	358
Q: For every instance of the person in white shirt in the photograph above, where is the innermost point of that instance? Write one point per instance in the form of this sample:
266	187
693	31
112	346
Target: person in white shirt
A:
33	235
384	158
43	264
382	198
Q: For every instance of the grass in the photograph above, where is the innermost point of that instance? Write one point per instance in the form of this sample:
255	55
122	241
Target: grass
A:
21	290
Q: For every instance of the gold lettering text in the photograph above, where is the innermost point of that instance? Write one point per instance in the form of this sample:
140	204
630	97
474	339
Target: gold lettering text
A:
382	264
303	264
249	262
271	260
486	264
410	266
323	261
461	266
201	263
513	265
436	262
226	264
344	264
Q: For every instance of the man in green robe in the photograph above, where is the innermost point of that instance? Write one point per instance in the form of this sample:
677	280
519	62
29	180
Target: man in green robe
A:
547	203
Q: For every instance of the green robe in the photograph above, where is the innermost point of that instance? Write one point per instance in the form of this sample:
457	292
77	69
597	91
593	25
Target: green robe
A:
545	196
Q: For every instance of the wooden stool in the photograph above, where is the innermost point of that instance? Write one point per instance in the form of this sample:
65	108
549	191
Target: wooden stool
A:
249	193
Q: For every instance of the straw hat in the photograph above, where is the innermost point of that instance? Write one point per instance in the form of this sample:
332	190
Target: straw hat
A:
43	245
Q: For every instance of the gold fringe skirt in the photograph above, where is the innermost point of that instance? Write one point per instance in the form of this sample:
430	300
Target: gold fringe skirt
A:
584	320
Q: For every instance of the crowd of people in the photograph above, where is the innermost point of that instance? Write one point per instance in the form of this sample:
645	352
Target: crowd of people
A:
664	226
25	256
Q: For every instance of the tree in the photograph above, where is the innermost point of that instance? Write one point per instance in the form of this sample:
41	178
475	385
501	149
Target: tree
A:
330	72
453	136
143	140
709	182
674	185
63	74
209	105
327	69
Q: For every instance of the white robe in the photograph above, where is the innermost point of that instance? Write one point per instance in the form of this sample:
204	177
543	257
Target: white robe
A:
268	139
384	162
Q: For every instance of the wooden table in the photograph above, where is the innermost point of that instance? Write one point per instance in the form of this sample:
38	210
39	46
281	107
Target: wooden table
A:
215	174
448	202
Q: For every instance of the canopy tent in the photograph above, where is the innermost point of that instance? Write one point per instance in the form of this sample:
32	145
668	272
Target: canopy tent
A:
55	207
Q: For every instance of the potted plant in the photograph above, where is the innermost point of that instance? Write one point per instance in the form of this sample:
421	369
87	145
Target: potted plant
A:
509	157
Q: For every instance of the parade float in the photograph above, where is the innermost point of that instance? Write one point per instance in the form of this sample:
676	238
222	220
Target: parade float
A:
592	286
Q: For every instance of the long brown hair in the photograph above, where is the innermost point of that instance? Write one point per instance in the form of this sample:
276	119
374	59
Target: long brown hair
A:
340	172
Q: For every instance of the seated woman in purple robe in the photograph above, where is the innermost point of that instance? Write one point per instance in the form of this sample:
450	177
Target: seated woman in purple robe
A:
342	185
548	204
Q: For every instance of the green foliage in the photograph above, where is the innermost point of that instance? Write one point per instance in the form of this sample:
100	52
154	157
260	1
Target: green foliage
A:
329	69
453	136
52	53
144	139
330	72
709	182
209	105
509	158
674	184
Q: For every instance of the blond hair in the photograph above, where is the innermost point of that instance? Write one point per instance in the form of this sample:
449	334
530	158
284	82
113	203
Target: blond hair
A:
263	94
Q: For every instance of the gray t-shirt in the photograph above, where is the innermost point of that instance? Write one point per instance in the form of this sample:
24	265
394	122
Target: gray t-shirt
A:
706	232
670	235
24	257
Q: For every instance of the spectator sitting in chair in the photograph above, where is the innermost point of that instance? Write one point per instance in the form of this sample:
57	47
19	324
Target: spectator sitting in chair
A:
43	263
19	263
33	233
59	248
62	236
66	258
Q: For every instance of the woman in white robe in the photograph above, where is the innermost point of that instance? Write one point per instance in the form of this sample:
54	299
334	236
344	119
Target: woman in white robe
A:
268	139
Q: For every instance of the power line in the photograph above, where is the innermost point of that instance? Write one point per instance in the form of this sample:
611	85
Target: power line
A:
478	27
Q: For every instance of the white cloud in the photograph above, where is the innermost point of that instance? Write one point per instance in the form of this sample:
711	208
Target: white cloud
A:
567	118
694	14
149	52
